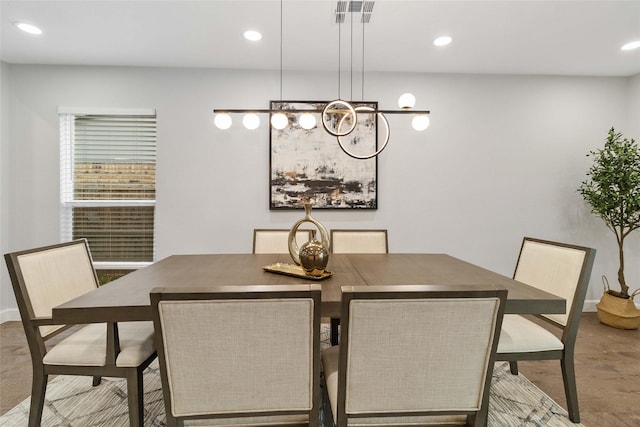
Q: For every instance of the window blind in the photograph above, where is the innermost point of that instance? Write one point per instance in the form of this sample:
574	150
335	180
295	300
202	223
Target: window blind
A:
108	170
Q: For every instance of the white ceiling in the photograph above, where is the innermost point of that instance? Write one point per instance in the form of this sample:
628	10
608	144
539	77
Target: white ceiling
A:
514	37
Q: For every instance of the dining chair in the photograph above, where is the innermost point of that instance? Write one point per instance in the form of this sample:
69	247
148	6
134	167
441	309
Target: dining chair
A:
239	355
562	270
48	276
359	241
276	241
414	355
356	241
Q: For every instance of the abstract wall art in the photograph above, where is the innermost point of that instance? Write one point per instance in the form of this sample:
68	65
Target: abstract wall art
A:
308	164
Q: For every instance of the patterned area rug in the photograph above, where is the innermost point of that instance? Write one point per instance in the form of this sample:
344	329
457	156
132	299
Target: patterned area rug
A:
72	401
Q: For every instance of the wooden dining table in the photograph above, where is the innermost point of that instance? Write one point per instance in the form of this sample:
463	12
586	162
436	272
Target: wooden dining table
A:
127	298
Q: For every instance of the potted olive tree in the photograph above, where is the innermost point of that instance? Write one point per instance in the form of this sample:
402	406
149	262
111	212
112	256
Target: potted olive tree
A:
612	189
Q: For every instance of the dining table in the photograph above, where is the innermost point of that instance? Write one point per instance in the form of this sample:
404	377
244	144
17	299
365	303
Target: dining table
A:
127	298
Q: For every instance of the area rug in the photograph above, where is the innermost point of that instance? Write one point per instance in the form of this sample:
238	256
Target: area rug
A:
73	402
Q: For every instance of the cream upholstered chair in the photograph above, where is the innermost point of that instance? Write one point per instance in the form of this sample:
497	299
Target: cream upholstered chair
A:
356	241
563	270
414	355
360	241
276	241
239	355
48	276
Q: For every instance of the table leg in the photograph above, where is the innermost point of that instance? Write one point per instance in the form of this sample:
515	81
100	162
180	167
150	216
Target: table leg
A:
335	323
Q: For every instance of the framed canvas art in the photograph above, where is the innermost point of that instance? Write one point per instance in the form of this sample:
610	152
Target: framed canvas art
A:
310	165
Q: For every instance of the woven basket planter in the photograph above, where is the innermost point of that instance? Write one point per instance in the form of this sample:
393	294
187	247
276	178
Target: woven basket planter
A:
620	313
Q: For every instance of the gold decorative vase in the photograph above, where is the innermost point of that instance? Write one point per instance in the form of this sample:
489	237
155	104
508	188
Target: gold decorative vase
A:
314	255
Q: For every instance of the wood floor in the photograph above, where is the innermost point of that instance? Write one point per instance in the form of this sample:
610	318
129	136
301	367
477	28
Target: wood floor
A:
607	370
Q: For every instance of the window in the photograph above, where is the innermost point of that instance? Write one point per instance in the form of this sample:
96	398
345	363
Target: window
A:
108	184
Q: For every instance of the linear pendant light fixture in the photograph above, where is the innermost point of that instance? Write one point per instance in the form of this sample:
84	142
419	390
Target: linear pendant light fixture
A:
339	117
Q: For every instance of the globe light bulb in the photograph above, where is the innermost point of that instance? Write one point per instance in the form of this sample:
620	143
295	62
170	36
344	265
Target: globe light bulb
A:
420	122
279	121
307	121
222	121
251	121
406	101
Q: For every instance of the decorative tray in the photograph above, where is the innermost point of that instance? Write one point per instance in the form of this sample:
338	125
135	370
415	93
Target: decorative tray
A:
295	271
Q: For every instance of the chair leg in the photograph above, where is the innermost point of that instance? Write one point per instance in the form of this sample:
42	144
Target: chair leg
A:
570	389
135	397
513	367
327	412
96	381
174	422
38	391
335	323
480	419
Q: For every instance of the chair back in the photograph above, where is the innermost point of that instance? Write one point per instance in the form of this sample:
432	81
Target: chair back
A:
560	269
238	351
417	351
359	242
276	241
46	277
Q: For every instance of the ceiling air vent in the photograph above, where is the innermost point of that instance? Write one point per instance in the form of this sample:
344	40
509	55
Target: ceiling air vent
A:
355	6
352	6
367	10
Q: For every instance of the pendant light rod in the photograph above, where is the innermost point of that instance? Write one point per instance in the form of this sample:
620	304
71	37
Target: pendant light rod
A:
351	55
339	56
362	79
280	49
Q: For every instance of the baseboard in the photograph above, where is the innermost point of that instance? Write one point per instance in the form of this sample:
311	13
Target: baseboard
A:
9	314
590	306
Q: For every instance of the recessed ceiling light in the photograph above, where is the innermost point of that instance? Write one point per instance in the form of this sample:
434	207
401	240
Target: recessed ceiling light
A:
252	35
442	41
28	28
631	45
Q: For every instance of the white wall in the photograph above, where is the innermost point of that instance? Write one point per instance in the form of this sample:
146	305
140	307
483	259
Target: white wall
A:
632	245
502	159
6	294
634	106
